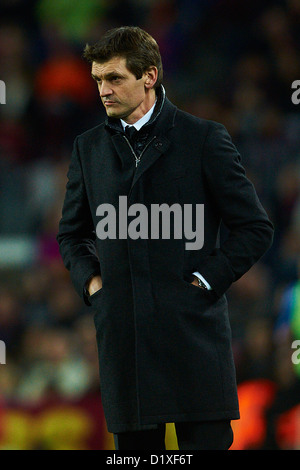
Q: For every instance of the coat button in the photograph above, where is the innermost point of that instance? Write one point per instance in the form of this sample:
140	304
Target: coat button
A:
158	144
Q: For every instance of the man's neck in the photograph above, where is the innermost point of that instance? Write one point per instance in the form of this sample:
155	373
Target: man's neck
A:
141	122
143	109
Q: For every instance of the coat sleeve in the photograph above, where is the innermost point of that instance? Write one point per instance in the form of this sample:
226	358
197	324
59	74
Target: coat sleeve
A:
76	235
250	231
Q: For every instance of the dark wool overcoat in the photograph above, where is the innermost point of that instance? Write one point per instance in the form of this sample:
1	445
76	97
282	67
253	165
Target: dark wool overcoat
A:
164	344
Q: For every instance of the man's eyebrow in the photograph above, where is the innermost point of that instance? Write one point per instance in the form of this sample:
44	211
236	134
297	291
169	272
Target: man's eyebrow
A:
108	76
94	77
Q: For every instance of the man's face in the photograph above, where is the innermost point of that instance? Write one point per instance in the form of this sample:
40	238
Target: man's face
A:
121	93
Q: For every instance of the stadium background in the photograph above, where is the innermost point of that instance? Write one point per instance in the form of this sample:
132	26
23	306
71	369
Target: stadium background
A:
230	61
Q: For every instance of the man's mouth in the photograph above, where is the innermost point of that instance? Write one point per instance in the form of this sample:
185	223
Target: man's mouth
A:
109	103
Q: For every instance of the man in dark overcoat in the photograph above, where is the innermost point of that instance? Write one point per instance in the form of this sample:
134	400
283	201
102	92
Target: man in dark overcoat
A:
140	233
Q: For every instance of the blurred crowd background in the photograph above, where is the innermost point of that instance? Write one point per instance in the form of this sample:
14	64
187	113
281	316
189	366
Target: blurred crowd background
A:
231	61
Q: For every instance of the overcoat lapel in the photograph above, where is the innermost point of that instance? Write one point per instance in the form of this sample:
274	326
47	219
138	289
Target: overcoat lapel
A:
123	151
158	147
159	142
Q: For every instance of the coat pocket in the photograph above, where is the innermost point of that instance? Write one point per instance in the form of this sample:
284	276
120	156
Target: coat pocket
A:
96	303
199	293
189	285
96	295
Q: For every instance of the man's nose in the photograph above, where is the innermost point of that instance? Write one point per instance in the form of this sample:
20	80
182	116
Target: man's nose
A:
105	89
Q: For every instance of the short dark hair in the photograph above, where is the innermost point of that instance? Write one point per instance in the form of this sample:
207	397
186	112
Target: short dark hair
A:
138	47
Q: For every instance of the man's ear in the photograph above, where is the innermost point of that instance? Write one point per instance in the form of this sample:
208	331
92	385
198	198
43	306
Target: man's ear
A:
151	77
